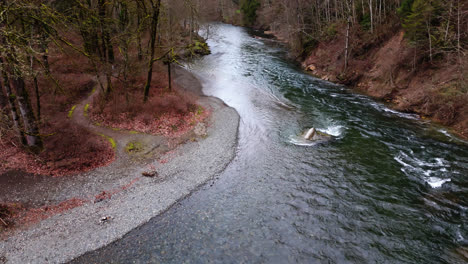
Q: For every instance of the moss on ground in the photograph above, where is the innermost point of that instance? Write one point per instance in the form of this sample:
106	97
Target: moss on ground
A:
134	147
85	111
111	140
70	113
91	93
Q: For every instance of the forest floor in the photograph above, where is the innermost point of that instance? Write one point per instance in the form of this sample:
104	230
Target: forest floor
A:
91	209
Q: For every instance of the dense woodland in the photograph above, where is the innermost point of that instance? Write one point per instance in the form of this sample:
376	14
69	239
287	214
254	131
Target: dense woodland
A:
435	27
113	36
53	53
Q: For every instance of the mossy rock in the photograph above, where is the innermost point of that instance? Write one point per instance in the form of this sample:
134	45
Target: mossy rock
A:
199	48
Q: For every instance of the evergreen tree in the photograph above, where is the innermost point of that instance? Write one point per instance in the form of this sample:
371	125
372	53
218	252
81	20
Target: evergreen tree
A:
249	10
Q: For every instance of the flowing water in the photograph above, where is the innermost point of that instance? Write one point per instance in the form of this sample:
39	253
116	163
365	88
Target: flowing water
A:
388	188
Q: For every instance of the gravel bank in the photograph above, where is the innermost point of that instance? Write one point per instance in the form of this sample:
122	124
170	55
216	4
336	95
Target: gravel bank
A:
71	234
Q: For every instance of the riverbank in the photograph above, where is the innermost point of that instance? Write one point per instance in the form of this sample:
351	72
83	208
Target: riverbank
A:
382	67
384	72
132	199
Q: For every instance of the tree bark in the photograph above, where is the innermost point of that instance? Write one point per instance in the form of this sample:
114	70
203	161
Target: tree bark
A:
347	44
371	16
14	113
153	34
33	138
430	40
458	31
169	75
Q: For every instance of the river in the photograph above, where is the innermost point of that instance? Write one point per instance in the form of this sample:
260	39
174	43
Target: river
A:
388	188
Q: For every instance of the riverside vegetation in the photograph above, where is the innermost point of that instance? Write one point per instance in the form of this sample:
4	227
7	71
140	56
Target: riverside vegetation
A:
409	53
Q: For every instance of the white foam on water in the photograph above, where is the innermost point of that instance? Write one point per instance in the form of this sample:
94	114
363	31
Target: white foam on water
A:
300	141
399	160
431	172
435	182
400	114
383	108
335	131
445	132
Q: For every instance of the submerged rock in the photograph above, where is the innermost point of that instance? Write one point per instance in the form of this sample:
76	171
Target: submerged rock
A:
310	134
314	135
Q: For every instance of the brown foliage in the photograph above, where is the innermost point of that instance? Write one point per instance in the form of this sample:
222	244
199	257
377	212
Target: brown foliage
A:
170	113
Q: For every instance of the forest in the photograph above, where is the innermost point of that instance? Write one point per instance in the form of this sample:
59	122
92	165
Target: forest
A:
56	53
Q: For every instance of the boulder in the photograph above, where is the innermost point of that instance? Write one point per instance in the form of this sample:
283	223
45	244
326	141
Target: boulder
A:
310	134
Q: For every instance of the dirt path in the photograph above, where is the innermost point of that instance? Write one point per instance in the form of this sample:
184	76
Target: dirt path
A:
151	144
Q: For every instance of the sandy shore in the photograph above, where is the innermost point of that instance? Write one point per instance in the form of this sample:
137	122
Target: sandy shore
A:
66	236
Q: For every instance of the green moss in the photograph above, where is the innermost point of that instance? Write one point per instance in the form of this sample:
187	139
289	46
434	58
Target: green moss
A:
86	108
199	48
111	140
200	110
91	93
70	113
134	147
134	132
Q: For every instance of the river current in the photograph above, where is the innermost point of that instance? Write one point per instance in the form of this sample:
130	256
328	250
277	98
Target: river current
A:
387	188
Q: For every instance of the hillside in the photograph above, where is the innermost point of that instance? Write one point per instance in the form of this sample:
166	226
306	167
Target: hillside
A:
385	71
409	53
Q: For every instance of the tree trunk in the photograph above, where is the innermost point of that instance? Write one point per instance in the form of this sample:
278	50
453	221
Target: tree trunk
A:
109	84
169	75
38	98
430	40
347	44
153	30
45	56
140	50
36	89
371	17
33	138
458	31
14	113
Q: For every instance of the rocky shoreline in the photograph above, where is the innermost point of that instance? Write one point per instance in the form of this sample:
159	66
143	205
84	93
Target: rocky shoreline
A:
72	233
